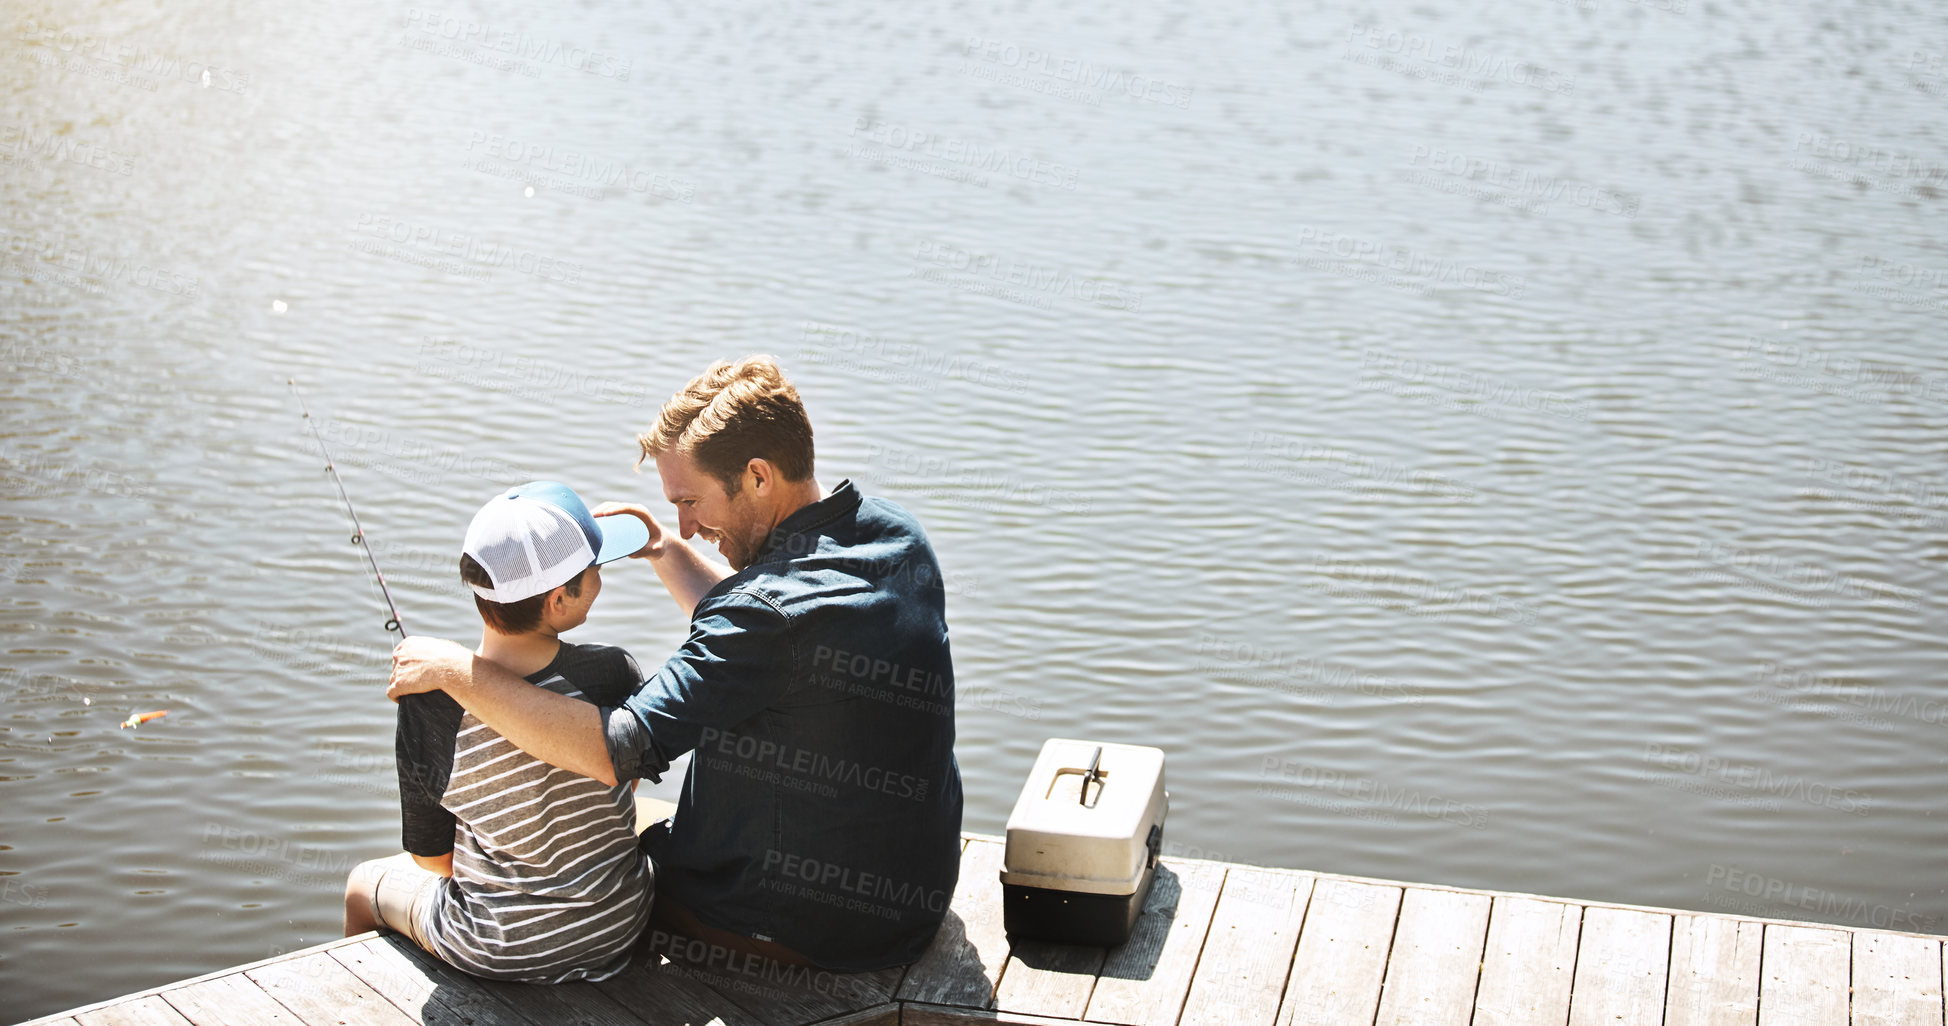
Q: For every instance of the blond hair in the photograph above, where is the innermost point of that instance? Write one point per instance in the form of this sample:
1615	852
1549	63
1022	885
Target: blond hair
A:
731	414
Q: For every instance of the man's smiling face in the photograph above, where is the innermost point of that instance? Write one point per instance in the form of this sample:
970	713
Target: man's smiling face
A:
703	508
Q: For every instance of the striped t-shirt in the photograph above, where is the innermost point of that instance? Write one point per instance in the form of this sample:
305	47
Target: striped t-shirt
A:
548	884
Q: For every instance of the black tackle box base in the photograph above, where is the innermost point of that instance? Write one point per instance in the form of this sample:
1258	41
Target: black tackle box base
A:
1073	917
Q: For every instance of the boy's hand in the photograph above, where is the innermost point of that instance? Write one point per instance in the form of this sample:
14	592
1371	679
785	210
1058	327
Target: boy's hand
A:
656	532
422	664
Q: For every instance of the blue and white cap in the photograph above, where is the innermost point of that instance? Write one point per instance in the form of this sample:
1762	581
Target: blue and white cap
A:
536	537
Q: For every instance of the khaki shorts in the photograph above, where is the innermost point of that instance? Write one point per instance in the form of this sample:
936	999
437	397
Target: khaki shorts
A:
400	894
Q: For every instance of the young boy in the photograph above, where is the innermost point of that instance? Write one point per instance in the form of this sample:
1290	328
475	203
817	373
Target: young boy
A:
517	870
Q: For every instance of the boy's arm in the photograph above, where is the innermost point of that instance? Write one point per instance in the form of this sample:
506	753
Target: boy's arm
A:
438	864
423	749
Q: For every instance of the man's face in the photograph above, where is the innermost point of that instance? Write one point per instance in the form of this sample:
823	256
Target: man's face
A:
704	509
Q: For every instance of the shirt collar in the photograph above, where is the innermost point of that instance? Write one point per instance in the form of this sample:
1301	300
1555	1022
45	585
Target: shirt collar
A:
791	534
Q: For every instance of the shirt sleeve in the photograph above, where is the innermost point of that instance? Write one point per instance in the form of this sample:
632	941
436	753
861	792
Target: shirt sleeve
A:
616	678
735	662
423	748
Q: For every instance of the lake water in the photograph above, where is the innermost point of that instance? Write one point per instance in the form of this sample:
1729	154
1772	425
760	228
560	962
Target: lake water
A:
1492	445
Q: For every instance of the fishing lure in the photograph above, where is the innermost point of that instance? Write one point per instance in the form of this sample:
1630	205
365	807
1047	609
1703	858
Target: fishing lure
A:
137	719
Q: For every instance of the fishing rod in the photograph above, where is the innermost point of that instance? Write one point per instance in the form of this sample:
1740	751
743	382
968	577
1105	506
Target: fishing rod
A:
358	531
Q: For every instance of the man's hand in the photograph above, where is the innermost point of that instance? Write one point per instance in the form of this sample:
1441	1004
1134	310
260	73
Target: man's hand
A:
656	533
427	664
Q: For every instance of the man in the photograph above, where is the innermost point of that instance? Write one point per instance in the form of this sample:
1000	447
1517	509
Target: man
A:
820	819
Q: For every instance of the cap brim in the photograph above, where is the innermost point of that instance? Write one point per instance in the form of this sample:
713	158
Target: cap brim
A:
622	535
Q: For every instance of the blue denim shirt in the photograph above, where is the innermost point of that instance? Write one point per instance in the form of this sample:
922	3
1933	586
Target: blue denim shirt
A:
822	810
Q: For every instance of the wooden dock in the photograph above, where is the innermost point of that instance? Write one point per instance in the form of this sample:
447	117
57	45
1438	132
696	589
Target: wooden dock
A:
1217	945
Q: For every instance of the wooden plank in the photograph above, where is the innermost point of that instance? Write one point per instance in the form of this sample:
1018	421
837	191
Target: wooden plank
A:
887	1014
1806	975
73	1013
1529	963
786	995
1049	979
428	992
144	1011
1248	952
667	995
921	1014
1342	956
1144	982
229	1001
964	963
1714	976
1436	959
1623	960
1896	980
324	993
563	1004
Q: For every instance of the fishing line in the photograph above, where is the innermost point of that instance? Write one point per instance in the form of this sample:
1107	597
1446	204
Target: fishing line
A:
358	531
